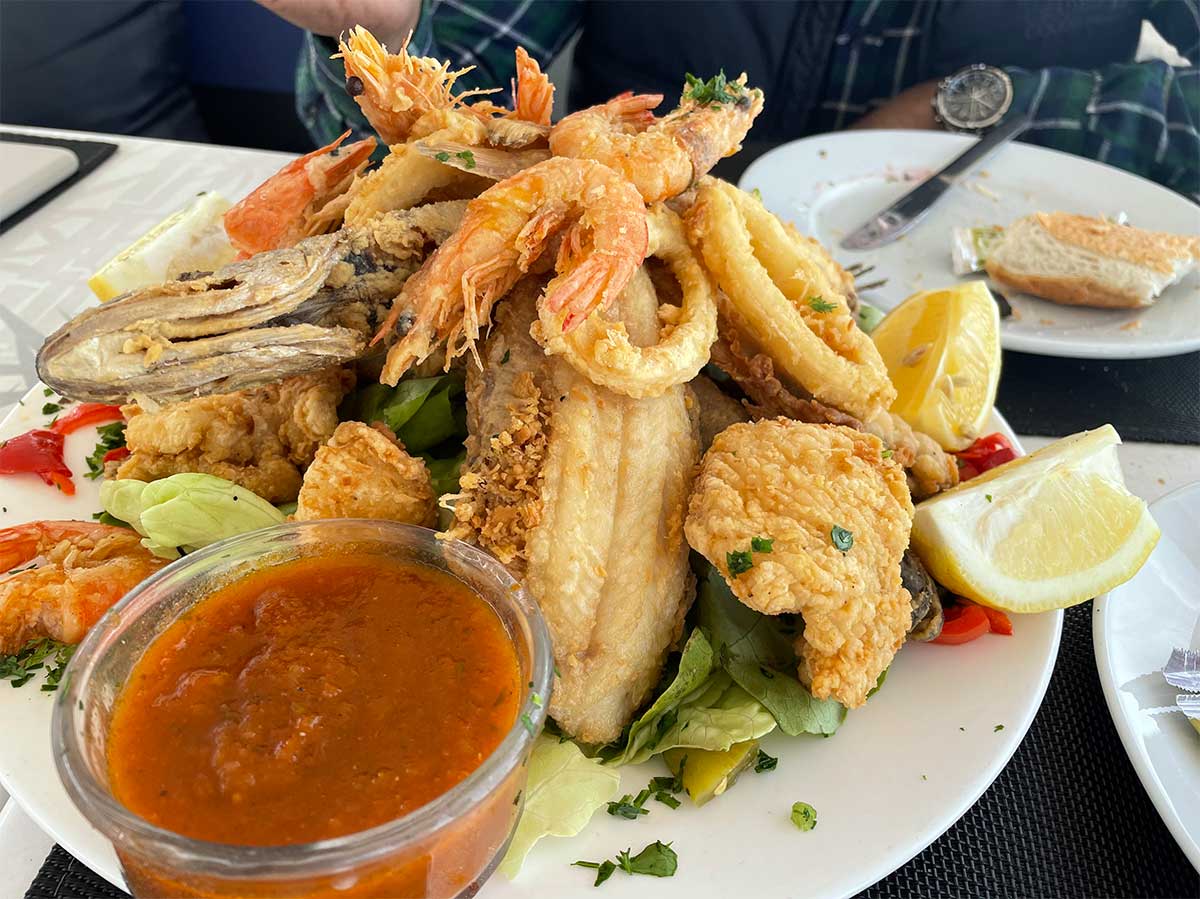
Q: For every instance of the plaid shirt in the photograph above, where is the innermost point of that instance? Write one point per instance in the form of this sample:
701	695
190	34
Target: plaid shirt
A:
1141	117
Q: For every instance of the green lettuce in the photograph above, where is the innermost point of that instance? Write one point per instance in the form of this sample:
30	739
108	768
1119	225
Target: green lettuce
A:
186	511
445	472
565	788
757	652
423	412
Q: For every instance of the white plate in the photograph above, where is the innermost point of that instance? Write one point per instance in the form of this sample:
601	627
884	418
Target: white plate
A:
897	775
830	184
1136	627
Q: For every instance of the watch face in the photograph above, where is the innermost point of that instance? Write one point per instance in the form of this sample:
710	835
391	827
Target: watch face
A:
976	98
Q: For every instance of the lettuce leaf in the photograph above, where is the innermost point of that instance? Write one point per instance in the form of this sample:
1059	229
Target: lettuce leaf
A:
757	652
565	788
186	511
423	412
445	472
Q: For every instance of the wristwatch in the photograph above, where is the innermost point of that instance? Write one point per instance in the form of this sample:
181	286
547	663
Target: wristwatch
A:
973	99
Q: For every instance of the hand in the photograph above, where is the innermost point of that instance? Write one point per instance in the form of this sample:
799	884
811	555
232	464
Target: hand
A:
389	20
911	108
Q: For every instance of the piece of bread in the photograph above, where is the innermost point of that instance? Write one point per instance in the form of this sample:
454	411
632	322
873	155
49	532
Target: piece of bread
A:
1084	261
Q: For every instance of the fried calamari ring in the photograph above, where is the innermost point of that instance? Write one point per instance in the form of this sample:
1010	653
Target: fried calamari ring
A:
608	355
783	293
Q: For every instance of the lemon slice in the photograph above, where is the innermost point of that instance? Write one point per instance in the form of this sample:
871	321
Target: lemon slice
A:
707	773
1045	531
191	240
942	351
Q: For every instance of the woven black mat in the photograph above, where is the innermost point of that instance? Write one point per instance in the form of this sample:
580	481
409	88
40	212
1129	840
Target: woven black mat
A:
1066	818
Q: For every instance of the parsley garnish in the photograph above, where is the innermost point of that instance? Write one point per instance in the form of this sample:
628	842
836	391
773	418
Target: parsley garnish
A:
443	156
603	870
528	722
656	860
765	762
504	359
35	656
757	194
112	436
988	497
804	815
820	305
629	807
738	562
997	728
842	538
887	454
536	699
47	391
717	89
468	157
762	544
51	408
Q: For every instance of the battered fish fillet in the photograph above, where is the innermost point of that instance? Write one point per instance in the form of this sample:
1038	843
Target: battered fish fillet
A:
364	472
793	483
584	492
261	439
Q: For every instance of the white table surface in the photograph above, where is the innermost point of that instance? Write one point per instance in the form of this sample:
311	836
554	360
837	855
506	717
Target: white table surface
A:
46	260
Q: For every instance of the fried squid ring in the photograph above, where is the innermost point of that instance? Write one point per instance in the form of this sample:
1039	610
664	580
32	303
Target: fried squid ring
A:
785	295
608	355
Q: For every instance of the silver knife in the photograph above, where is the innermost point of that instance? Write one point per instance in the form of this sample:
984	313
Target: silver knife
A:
903	215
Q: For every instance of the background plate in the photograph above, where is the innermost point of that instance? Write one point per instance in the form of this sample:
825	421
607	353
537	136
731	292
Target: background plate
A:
1136	627
897	774
830	184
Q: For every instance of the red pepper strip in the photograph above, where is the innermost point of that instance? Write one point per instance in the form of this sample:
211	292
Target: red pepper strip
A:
962	625
37	452
998	621
113	454
983	455
85	414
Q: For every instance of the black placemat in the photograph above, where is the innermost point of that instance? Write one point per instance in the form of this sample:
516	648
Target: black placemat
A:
1145	399
89	152
1067	817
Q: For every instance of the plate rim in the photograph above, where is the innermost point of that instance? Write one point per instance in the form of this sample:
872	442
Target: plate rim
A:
1134	748
1022	343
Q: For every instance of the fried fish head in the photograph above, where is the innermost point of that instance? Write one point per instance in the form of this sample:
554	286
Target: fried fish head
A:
837	513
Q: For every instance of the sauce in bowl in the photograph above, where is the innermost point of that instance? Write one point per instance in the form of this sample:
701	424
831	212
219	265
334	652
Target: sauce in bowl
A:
313	699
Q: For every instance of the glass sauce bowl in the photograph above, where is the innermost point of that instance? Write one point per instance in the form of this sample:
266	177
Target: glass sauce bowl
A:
445	848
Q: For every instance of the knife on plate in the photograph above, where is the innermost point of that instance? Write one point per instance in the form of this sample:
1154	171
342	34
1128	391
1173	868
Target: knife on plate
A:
903	215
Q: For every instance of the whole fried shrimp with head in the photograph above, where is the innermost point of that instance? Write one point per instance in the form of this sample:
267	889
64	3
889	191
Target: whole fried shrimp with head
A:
82	570
838	515
662	157
507	228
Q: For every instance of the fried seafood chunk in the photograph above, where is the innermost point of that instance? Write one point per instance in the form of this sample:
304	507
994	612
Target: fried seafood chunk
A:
364	472
583	492
838	514
718	410
788	299
261	439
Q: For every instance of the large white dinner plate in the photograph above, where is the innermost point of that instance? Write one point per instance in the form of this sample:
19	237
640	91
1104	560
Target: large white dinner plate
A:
1135	628
830	184
897	774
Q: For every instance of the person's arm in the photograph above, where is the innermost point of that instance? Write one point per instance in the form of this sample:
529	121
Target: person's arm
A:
388	20
479	33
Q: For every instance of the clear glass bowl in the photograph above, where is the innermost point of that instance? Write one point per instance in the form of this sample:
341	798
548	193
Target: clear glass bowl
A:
443	849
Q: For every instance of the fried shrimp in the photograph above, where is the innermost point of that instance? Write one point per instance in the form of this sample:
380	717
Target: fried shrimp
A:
639	365
664	157
600	217
533	94
783	294
85	569
300	200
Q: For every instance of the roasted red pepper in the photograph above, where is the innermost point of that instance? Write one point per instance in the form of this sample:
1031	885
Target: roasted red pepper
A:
113	454
38	452
998	622
983	455
962	625
84	414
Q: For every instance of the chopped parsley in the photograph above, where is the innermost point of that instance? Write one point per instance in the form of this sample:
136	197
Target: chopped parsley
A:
604	869
528	722
988	497
667	799
656	860
804	815
664	788
757	194
42	654
887	454
443	156
717	89
765	762
504	359
51	408
997	728
112	436
762	544
820	305
468	157
738	562
47	391
842	538
629	807
536	699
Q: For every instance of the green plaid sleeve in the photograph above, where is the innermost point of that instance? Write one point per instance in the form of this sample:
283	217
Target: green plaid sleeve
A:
1141	117
479	33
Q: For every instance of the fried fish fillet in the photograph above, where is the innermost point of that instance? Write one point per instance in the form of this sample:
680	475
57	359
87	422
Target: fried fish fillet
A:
583	492
364	472
793	484
261	439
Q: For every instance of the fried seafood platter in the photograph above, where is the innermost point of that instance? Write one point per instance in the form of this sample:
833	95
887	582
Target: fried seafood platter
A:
569	345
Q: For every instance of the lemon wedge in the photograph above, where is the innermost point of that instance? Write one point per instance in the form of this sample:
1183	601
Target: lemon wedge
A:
1045	531
942	351
190	240
707	773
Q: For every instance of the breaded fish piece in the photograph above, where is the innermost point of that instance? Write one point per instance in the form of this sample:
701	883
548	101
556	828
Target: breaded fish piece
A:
261	439
364	472
793	483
